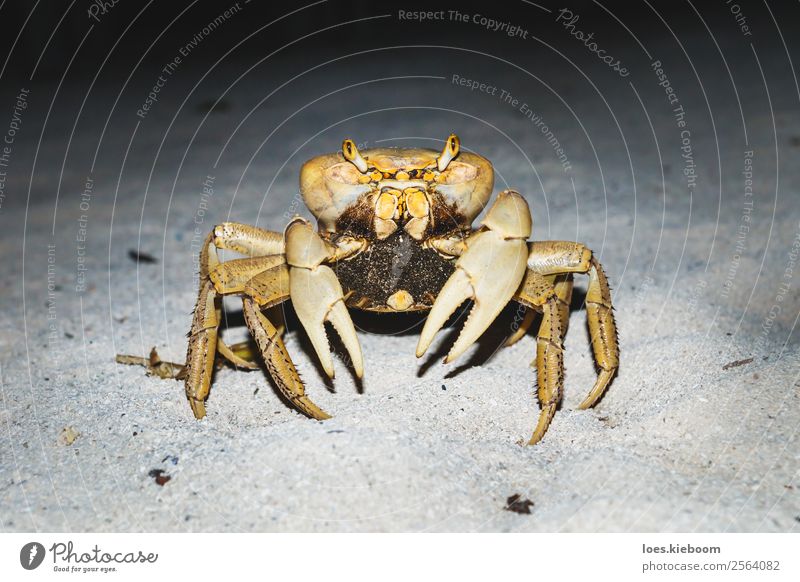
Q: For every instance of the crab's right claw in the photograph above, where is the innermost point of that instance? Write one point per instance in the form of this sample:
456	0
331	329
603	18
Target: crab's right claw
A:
317	295
489	272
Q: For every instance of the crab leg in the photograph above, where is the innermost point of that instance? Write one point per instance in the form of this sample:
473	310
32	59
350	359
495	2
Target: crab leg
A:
268	289
278	361
488	272
553	257
549	366
265	245
232	276
218	278
603	331
240	355
538	292
202	349
317	295
563	288
247	240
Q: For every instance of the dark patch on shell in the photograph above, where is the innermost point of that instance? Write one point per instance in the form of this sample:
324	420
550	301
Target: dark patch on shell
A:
357	220
389	265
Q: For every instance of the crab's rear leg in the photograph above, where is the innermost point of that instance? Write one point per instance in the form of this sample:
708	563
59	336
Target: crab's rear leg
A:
559	257
603	331
538	292
202	348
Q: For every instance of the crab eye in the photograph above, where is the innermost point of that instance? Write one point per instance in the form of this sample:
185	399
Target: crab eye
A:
352	155
451	148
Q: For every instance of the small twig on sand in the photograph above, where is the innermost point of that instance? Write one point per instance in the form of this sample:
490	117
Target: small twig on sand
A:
737	363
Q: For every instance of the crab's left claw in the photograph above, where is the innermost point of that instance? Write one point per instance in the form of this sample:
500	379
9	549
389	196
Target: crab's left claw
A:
317	295
489	272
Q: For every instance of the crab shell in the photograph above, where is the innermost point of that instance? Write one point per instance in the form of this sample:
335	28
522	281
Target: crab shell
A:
330	184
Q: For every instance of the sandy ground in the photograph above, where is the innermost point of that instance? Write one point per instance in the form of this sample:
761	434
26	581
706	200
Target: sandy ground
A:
684	440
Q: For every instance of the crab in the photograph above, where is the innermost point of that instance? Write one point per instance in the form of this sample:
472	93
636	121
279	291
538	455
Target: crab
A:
394	234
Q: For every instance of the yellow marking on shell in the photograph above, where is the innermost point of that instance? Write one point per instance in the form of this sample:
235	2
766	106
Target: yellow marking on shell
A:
364	179
428	176
386	205
416	202
401	175
400	300
376	176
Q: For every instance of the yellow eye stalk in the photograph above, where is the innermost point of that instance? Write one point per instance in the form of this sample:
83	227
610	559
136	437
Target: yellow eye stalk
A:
451	148
352	155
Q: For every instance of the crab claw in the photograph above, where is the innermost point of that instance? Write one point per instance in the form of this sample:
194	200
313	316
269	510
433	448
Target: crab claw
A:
317	295
489	272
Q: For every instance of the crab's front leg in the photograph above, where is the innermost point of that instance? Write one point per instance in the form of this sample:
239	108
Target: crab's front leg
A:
203	336
489	272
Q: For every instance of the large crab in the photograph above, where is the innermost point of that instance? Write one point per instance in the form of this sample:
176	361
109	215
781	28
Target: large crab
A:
394	234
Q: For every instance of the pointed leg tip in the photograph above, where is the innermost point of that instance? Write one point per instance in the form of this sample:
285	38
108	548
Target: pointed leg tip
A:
198	408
